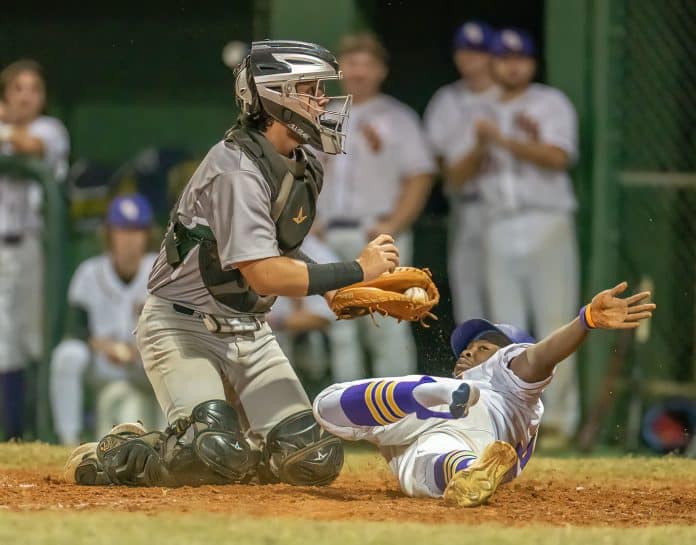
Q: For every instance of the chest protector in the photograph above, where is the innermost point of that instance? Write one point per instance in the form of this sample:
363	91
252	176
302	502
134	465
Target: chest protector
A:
294	187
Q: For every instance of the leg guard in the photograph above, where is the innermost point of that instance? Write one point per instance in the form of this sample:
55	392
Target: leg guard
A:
220	443
206	448
298	451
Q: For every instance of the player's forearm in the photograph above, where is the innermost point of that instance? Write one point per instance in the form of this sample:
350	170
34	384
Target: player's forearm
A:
414	195
543	155
24	143
538	361
276	276
284	276
465	169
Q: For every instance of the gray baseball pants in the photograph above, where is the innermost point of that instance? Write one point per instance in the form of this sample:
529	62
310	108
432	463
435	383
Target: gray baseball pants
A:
186	365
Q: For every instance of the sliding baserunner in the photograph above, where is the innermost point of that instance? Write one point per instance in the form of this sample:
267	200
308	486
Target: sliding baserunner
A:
462	437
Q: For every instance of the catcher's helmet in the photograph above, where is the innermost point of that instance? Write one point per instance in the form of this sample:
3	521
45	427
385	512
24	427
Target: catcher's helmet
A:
473	329
267	81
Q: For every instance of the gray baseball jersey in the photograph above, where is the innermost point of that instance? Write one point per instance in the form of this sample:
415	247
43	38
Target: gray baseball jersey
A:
228	194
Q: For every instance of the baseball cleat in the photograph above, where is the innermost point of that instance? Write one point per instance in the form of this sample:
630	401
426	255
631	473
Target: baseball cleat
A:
128	429
476	484
463	398
84	467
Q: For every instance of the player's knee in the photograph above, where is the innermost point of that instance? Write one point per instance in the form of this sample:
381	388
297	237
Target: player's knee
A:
70	357
219	441
329	415
298	451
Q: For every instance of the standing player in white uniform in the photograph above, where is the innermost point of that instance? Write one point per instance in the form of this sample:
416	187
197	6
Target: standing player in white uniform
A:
380	185
531	250
24	131
462	437
106	295
450	121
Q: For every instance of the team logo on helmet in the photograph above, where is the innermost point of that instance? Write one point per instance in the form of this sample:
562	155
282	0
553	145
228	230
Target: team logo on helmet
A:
511	39
473	33
129	210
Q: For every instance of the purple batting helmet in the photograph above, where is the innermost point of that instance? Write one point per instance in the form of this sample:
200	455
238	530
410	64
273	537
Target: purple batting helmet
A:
473	329
129	212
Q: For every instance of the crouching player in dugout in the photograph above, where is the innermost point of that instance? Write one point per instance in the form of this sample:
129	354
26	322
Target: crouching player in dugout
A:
462	437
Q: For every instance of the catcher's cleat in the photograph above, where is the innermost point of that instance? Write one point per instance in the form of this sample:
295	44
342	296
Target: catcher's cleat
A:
463	398
83	466
476	484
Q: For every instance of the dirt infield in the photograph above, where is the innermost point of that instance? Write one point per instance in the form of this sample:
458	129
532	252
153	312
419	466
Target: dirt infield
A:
584	500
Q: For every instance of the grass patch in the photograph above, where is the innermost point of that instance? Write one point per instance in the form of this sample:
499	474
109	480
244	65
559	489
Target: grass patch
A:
140	529
32	455
364	460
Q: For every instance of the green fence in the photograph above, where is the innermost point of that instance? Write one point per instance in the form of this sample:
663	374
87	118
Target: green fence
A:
643	82
55	267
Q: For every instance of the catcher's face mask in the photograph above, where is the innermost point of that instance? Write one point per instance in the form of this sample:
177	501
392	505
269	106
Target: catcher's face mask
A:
296	84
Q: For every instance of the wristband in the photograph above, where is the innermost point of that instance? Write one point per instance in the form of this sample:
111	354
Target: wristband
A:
585	316
330	276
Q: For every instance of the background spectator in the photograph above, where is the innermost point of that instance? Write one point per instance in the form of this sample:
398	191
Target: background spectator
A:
23	131
105	298
450	119
532	262
379	186
301	325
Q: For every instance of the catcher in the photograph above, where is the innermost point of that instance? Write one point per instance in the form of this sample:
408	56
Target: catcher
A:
462	437
231	248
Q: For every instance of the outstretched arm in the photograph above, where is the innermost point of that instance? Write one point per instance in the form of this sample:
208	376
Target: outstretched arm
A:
606	311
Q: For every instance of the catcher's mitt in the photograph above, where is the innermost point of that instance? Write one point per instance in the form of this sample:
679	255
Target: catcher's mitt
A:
385	295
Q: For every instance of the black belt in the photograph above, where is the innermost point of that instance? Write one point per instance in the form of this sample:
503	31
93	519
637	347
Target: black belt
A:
184	310
343	224
241	318
348	223
11	240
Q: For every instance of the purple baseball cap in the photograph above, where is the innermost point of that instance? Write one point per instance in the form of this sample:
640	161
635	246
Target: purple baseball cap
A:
473	329
513	41
474	36
130	212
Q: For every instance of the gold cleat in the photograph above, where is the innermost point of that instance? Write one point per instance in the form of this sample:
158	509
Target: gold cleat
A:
476	484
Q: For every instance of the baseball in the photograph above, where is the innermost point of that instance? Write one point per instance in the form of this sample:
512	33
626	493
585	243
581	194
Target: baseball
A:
416	294
234	52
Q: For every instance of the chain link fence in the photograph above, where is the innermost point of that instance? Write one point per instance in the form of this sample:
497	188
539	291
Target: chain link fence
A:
654	125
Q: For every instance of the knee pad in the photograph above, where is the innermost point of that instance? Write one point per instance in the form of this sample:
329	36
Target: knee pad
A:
70	356
219	441
299	452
